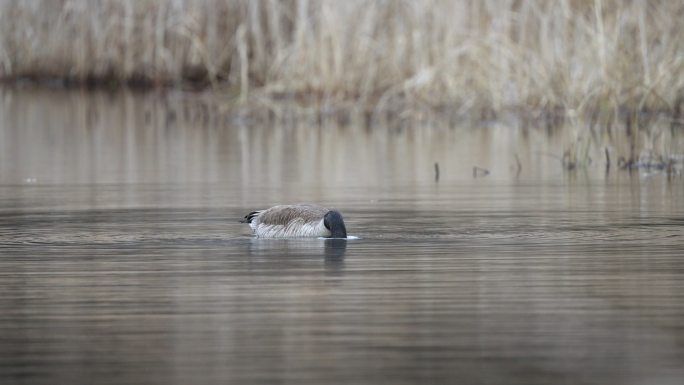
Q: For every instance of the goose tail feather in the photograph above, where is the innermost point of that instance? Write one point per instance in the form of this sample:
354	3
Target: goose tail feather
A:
248	218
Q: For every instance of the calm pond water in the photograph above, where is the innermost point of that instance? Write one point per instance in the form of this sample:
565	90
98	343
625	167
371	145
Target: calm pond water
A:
122	259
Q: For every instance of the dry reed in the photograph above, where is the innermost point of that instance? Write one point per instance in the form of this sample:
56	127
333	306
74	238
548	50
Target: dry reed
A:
605	58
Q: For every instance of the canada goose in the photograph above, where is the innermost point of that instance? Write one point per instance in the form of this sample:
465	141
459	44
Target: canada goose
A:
302	220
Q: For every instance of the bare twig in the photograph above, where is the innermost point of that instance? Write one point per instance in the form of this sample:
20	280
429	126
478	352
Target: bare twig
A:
479	171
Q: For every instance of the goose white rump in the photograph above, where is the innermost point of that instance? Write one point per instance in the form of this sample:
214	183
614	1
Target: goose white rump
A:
303	220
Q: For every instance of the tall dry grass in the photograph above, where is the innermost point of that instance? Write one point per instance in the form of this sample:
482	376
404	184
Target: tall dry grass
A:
602	57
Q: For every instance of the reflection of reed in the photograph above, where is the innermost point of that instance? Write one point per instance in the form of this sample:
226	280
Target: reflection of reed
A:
86	138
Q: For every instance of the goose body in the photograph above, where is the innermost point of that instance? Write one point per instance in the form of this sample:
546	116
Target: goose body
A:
302	220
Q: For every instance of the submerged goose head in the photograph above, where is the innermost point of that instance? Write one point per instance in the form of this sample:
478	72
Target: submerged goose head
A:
302	220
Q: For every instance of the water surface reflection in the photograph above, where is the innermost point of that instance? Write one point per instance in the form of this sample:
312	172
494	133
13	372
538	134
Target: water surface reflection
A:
124	261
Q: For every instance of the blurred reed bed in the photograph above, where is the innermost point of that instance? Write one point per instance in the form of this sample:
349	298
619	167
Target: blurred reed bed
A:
608	60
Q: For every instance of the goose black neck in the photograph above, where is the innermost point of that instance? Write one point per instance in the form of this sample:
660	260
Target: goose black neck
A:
333	221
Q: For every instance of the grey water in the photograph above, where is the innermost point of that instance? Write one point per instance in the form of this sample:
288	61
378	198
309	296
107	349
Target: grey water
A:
122	259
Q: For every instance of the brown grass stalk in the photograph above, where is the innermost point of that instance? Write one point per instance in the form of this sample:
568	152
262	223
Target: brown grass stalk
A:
531	54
